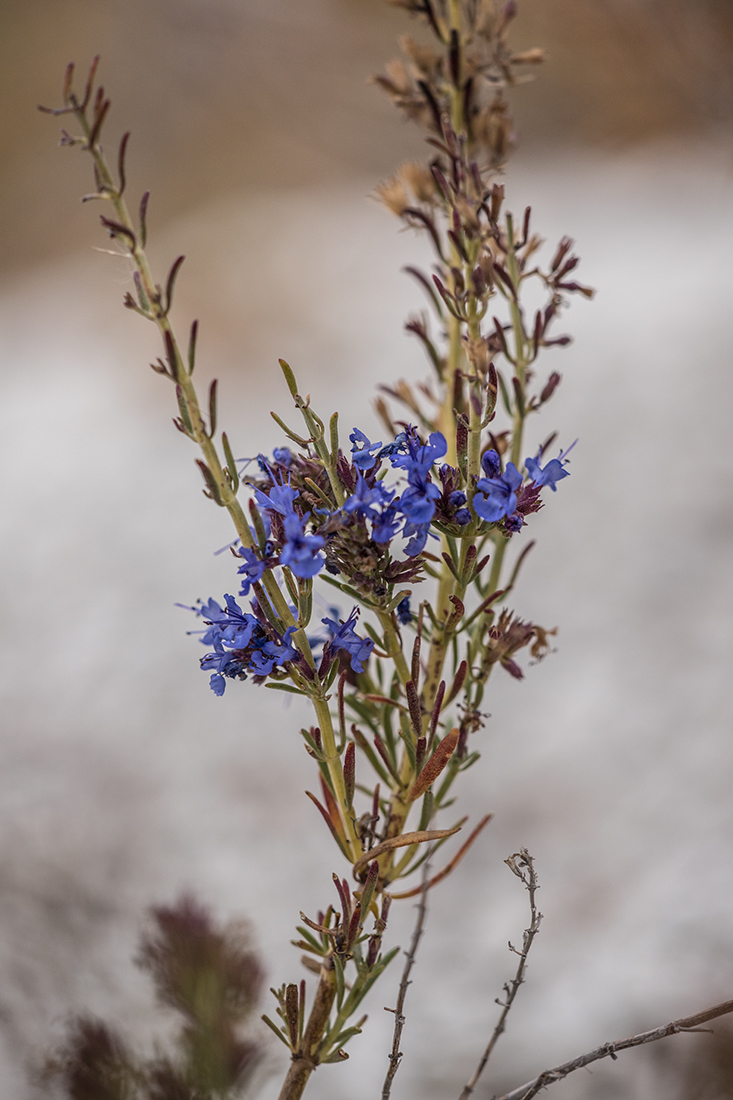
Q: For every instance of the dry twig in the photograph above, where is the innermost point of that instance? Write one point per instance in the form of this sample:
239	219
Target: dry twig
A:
609	1050
522	865
395	1056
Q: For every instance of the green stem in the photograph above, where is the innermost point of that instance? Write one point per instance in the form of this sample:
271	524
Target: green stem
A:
158	314
335	771
394	647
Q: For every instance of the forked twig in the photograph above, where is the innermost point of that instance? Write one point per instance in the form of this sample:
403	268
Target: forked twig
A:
609	1050
395	1056
522	865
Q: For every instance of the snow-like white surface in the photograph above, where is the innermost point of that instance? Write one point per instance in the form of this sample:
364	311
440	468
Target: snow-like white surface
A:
123	779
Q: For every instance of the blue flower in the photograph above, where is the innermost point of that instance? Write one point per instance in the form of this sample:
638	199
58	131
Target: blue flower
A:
273	654
419	457
344	637
462	517
417	533
226	665
417	503
496	497
387	525
252	569
553	472
230	625
365	501
396	445
282	456
361	451
491	464
403	611
280	499
514	523
300	551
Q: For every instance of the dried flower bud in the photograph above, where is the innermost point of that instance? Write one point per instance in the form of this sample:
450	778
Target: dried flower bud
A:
420	180
424	58
549	387
494	130
468	214
478	353
394	196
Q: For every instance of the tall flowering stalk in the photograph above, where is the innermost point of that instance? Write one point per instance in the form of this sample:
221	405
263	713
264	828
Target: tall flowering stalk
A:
420	534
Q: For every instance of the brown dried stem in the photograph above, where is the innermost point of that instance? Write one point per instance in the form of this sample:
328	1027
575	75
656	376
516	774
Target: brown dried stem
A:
609	1050
395	1056
522	865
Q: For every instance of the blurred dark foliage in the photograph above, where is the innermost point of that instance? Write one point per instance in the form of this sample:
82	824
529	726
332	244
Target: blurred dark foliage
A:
224	96
212	979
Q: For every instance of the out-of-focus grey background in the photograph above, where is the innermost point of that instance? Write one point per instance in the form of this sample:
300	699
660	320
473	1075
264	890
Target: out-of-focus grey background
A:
123	779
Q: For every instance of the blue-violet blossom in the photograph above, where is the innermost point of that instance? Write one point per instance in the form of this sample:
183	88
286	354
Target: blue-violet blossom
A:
344	637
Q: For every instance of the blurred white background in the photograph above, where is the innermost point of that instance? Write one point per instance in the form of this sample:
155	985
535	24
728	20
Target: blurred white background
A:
125	780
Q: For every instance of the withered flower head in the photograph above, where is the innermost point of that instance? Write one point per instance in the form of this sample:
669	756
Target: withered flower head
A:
394	196
420	180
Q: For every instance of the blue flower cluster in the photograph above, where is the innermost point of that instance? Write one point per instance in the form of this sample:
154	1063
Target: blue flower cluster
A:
496	495
240	645
299	551
412	514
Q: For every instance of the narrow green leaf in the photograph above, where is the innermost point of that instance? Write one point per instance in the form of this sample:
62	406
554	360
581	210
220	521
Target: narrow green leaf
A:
398	599
231	464
340	984
285	687
289	432
277	1031
334	429
289	377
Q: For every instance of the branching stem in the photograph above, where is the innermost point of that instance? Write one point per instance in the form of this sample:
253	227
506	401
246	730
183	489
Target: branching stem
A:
522	865
610	1050
395	1056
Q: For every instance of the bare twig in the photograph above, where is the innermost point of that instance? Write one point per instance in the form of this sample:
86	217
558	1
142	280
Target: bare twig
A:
522	865
395	1056
609	1050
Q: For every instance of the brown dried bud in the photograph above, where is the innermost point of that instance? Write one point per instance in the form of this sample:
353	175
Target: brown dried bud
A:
497	199
397	75
434	766
420	180
549	387
486	263
541	646
478	353
424	58
494	131
394	196
468	215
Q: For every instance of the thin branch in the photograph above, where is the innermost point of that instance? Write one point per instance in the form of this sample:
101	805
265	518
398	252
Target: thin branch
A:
522	865
609	1050
395	1056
